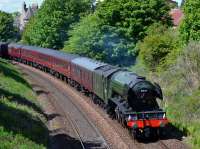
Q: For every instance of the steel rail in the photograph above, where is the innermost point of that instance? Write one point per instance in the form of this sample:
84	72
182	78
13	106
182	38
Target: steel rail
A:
85	117
72	122
163	144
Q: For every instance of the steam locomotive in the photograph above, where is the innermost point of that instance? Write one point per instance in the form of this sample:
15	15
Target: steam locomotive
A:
126	96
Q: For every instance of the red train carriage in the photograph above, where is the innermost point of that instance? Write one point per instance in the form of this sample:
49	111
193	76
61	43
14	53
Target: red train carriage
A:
59	62
82	71
33	55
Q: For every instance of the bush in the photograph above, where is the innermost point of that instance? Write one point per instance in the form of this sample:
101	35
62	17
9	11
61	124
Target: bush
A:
158	46
181	88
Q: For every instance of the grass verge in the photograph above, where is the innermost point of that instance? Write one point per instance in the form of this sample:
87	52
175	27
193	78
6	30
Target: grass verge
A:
22	122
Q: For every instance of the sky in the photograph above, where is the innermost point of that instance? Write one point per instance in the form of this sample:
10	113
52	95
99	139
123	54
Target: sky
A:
179	1
16	5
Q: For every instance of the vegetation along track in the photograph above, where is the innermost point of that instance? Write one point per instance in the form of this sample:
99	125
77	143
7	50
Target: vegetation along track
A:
116	136
84	129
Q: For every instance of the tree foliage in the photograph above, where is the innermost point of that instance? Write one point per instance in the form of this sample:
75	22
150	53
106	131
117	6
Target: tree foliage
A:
7	30
190	28
134	17
111	32
48	28
160	45
102	42
81	35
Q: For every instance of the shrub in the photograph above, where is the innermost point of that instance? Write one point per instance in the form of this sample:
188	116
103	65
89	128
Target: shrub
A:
158	46
181	89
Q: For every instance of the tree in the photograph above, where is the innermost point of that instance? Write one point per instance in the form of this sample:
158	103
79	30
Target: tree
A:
111	32
102	42
134	17
159	48
7	30
49	27
190	28
82	35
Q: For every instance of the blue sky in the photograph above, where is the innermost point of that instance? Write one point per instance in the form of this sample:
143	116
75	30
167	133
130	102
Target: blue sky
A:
16	5
179	1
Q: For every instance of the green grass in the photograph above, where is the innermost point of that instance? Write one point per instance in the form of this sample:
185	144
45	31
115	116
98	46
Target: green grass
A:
184	113
22	122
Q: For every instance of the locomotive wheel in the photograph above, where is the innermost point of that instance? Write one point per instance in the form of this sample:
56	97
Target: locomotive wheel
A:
161	133
108	109
155	134
111	109
113	116
118	117
94	99
123	122
133	133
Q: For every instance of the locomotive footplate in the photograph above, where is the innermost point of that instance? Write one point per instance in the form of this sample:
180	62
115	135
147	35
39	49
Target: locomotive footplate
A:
141	124
123	108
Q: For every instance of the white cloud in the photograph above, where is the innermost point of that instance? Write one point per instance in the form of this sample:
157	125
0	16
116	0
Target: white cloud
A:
15	5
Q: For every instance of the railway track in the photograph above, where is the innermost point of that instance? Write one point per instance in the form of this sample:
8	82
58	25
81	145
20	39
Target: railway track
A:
99	145
100	142
94	141
74	125
163	145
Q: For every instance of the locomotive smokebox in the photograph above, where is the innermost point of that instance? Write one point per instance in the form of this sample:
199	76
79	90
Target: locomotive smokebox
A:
143	94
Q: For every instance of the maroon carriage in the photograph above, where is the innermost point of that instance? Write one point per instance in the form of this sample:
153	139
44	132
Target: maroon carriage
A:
82	71
52	59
